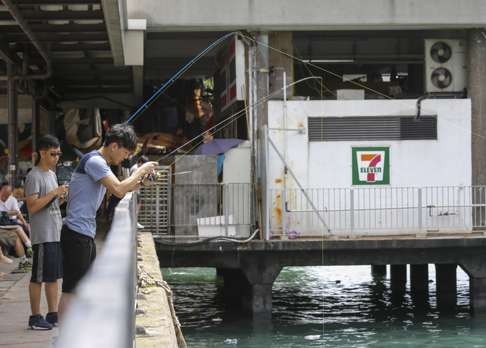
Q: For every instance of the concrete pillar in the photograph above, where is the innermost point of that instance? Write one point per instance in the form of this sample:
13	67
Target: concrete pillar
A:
398	278
282	41
261	119
378	271
477	92
419	286
475	268
419	279
12	124
477	291
260	272
235	286
446	286
35	123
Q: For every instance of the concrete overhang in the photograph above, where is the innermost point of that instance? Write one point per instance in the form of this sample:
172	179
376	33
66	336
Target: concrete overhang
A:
115	19
189	15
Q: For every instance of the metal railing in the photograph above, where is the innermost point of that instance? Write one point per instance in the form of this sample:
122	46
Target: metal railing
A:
102	313
378	210
211	210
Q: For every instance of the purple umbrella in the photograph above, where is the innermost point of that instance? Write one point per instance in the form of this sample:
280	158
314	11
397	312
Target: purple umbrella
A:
217	146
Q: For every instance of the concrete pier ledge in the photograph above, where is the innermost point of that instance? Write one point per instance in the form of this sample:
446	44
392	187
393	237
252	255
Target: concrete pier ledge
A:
154	322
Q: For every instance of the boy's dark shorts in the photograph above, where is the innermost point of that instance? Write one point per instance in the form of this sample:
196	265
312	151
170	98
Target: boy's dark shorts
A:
79	252
46	262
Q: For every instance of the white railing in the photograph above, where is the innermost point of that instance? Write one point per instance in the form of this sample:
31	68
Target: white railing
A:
377	210
211	210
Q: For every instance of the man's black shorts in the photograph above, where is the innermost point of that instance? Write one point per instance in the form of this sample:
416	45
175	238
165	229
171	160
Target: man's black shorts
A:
46	262
79	252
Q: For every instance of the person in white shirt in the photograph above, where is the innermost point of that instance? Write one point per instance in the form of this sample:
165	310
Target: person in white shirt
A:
9	204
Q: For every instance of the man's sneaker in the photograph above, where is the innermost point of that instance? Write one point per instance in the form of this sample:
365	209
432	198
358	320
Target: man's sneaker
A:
140	226
29	252
37	322
51	318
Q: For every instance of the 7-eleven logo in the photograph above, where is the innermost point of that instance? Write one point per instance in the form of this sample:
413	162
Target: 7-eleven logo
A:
370	166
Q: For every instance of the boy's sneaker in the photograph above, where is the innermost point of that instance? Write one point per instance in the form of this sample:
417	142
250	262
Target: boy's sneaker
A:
51	318
37	322
29	252
26	265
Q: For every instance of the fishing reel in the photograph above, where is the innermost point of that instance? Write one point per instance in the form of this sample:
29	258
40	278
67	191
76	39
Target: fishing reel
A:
152	178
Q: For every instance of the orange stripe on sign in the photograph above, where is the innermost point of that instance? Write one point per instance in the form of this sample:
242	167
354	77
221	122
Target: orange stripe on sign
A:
367	157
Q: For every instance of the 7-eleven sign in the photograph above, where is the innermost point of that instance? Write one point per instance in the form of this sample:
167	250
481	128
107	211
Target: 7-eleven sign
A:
371	165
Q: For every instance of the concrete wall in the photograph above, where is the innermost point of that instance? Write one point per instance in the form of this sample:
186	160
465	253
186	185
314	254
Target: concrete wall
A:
308	14
418	163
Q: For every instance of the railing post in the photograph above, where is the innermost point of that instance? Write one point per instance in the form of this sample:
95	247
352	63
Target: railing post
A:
284	212
225	208
419	212
157	208
351	210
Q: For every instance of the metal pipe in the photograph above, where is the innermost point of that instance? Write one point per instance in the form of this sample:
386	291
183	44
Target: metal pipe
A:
12	125
17	16
35	124
437	95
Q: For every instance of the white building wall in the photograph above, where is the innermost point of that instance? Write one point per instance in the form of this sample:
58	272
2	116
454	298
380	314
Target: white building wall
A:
413	163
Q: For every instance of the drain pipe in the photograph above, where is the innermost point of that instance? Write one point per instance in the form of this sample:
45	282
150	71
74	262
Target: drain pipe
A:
15	13
437	95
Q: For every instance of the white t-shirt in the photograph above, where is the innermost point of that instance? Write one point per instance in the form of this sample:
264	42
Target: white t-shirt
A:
10	204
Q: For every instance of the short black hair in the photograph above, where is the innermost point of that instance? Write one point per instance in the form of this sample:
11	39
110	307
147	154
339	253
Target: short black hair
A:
3	184
122	134
47	141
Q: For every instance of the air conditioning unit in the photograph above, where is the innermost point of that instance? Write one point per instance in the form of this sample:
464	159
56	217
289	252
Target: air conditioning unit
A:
445	65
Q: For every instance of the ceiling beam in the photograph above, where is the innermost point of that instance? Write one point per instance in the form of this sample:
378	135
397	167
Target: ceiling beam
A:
72	82
98	90
60	15
80	47
56	2
56	37
54	28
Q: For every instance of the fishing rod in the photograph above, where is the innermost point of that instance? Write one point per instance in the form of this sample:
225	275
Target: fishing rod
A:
174	77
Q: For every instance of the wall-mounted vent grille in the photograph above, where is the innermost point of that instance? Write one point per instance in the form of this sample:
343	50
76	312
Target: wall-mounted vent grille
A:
372	128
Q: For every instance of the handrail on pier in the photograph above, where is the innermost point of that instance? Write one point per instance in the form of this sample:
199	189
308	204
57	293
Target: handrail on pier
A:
102	314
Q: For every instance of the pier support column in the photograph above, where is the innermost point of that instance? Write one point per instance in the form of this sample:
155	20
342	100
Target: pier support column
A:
235	285
378	271
419	280
419	286
475	267
398	277
260	272
446	286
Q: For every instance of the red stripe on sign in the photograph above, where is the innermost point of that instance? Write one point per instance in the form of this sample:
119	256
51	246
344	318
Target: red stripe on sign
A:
373	163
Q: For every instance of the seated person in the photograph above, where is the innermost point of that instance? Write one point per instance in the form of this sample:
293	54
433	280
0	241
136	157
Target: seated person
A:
11	244
3	258
7	224
9	204
19	195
